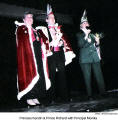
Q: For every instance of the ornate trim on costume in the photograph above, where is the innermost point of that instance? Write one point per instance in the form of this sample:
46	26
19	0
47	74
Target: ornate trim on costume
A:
30	86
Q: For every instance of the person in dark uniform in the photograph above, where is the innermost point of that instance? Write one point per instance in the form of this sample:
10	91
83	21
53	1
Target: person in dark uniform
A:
89	56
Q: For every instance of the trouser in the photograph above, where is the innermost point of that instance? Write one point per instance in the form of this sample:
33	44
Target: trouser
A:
58	79
87	69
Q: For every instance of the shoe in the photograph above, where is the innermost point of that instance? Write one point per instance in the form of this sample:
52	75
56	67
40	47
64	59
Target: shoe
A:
30	102
36	101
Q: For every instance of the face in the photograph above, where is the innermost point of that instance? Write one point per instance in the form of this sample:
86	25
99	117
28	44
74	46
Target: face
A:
50	20
28	20
84	25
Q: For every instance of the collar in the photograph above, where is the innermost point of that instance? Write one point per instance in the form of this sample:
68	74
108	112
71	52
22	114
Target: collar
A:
84	30
51	27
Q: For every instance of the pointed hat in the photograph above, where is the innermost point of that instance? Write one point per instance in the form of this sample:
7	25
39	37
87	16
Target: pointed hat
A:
49	9
84	17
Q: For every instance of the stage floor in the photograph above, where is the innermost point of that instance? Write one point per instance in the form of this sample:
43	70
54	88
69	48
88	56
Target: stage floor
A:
107	103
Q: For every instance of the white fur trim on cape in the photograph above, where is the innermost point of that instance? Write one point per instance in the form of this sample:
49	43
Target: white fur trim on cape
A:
47	80
31	85
18	23
69	56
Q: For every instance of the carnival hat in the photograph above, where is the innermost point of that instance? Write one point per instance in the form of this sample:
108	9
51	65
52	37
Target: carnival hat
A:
49	10
84	17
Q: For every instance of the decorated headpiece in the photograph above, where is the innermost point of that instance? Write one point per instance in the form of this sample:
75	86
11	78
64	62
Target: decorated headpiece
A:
84	17
49	10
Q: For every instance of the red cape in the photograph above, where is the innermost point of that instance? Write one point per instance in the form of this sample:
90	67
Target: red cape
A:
27	72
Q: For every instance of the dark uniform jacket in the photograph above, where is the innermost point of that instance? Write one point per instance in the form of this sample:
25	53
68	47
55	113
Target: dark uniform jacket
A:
88	52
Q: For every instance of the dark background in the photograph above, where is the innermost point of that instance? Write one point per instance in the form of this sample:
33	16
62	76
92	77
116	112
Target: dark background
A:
102	16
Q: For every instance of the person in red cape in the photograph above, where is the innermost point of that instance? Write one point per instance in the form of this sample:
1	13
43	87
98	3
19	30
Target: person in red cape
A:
59	53
33	78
